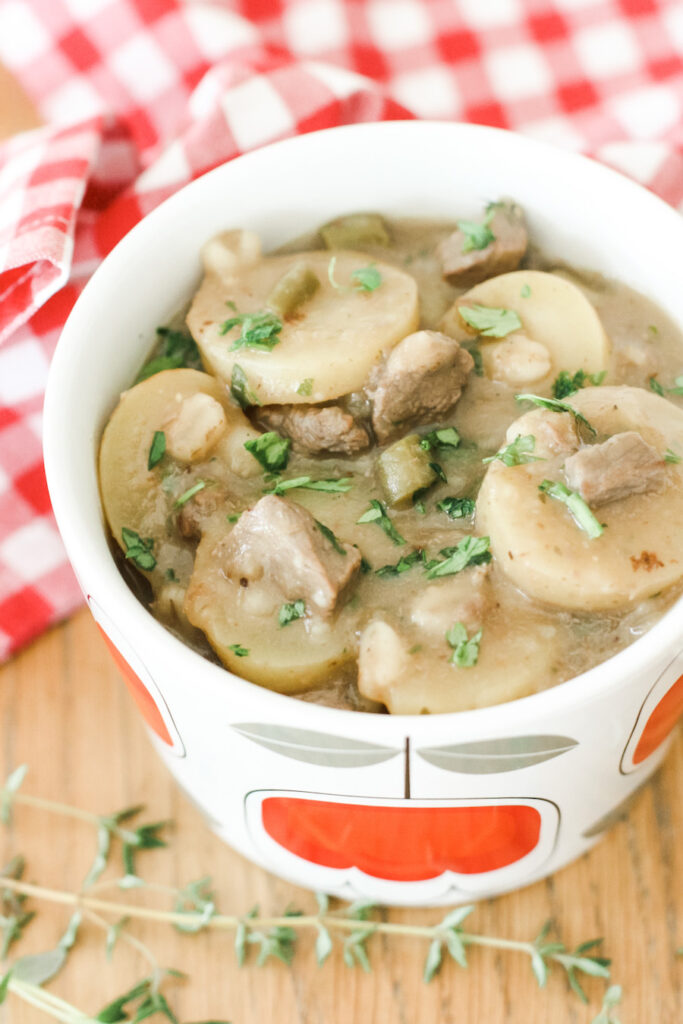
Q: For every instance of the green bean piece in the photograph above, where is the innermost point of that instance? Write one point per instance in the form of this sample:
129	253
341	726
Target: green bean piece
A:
293	289
404	468
355	231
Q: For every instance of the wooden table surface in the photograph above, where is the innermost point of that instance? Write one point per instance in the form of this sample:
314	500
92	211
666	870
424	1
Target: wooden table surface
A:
65	713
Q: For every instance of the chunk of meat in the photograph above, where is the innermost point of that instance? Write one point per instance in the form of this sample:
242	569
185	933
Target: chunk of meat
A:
422	378
462	598
194	513
315	429
555	433
504	253
624	465
280	540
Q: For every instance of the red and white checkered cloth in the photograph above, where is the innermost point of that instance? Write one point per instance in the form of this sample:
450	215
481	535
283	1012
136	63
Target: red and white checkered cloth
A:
140	96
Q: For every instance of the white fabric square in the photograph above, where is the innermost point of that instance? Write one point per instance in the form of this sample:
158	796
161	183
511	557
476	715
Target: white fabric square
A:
87	7
35	422
218	31
313	26
489	13
143	67
256	113
171	168
430	92
397	24
557	130
23	372
517	72
673	21
32	551
639	160
4	480
646	113
74	100
22	37
607	50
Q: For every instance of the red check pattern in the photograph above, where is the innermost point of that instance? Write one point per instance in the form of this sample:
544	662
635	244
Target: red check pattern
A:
140	96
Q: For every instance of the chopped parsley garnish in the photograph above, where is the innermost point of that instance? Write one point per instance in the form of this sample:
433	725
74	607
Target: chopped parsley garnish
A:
237	649
456	508
581	513
138	549
517	453
189	493
475	352
260	330
565	384
489	321
171	576
157	449
367	279
470	551
678	389
670	456
438	469
660	390
306	387
419	507
364	564
465	651
291	612
271	450
403	565
656	386
239	388
178	348
340	486
442	437
377	513
477	235
525	291
331	536
653	329
233	518
554	405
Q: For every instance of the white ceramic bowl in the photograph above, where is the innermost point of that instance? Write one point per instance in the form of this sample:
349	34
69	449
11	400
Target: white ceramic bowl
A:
405	810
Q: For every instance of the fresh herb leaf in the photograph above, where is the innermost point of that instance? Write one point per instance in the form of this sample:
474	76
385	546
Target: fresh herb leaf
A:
171	576
556	406
566	384
178	348
197	900
367	279
438	469
404	563
435	950
138	549
260	330
271	450
656	386
241	652
240	390
323	945
189	494
306	387
581	513
157	449
489	321
419	507
465	650
456	508
329	535
525	291
671	456
470	551
10	789
678	389
475	352
517	453
477	235
291	612
377	513
442	437
339	486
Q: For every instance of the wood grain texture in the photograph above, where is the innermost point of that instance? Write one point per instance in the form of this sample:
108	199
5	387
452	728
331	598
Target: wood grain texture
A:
65	712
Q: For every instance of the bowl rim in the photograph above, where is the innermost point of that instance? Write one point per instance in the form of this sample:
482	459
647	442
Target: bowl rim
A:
131	616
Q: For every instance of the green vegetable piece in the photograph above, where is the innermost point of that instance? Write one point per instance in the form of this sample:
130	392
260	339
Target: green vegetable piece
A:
477	235
328	534
241	652
470	551
517	453
465	651
671	456
404	468
355	231
403	565
139	549
157	449
260	330
656	386
442	437
581	513
291	612
378	514
367	279
339	486
556	406
294	288
176	349
240	390
456	508
565	384
489	321
306	387
271	450
525	291
189	493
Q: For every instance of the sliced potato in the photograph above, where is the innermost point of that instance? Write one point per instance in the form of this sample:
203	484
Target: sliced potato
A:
333	339
554	313
288	659
543	551
131	493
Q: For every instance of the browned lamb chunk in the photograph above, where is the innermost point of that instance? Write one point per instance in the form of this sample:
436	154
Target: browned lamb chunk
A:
554	433
280	540
195	512
315	429
422	378
464	268
624	465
